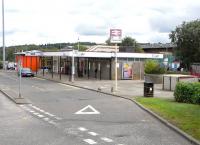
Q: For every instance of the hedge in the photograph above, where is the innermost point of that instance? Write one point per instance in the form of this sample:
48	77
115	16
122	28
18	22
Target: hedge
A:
187	92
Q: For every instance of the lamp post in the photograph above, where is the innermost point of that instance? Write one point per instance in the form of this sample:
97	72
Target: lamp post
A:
3	33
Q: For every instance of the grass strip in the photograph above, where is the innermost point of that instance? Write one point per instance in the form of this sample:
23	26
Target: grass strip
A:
184	116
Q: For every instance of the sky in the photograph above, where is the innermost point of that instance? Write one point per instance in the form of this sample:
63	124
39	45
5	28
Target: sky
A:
56	21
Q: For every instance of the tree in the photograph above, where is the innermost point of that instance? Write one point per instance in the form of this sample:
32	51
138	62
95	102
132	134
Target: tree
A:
81	47
131	43
108	42
187	38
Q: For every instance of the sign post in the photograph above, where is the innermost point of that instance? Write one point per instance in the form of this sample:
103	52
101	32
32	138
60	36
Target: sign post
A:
115	37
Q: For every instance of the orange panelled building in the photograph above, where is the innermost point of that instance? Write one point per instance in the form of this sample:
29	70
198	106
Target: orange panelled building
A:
32	62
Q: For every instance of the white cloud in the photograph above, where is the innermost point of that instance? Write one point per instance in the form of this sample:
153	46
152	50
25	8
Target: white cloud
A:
48	21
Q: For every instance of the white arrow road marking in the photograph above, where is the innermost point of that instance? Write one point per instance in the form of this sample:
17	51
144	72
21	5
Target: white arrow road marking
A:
90	141
94	111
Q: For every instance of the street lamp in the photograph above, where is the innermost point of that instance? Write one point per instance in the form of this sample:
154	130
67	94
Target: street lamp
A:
3	33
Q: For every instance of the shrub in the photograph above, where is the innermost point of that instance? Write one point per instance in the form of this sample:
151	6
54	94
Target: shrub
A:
187	92
153	67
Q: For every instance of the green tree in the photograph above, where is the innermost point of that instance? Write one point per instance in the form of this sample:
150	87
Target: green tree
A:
130	42
108	42
81	47
187	38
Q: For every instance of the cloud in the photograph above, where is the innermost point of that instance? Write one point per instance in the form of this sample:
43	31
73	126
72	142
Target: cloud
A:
90	30
47	21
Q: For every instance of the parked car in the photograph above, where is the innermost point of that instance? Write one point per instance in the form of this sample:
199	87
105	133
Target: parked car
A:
26	72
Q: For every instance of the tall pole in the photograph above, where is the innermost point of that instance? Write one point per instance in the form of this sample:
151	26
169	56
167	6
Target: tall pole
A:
72	79
20	75
3	33
116	67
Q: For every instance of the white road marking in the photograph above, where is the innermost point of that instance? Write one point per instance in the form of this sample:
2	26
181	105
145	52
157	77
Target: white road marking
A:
58	118
94	111
41	110
39	78
49	114
46	119
32	111
41	116
106	139
90	141
93	133
21	105
82	129
35	107
36	87
68	86
36	113
52	122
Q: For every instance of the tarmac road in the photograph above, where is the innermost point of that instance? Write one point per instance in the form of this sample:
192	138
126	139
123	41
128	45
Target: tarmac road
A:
56	110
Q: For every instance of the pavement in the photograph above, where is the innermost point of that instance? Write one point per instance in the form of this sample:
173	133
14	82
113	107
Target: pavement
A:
126	88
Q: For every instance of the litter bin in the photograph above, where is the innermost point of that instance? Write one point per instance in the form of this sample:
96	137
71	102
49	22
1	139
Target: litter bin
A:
148	89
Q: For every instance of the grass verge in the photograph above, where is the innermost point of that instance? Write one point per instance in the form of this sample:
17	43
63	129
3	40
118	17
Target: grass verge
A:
184	116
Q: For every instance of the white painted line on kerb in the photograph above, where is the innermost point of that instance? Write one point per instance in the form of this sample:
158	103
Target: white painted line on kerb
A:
82	129
93	133
90	141
106	139
21	105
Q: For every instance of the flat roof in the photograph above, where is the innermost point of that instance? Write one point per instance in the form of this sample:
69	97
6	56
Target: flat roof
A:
94	54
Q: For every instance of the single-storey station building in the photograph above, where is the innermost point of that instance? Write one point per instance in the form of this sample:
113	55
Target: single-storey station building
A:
91	65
